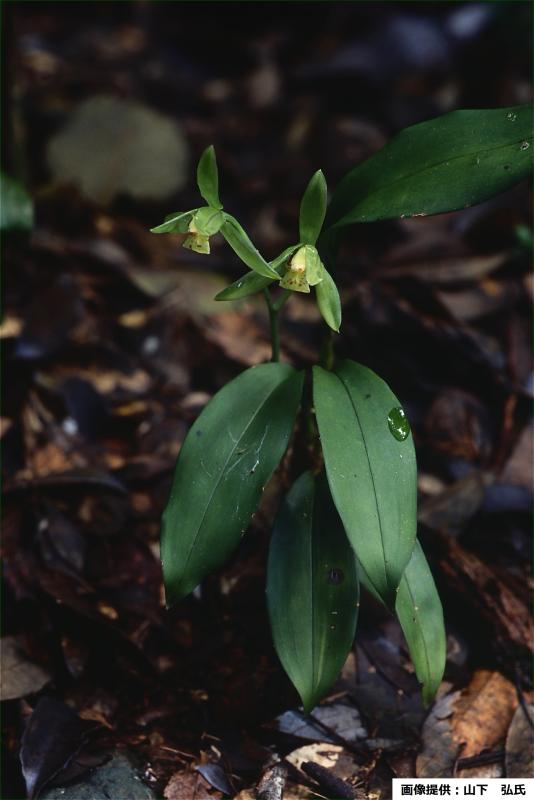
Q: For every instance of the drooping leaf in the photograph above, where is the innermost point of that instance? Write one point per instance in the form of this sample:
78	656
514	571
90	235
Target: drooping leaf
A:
243	247
313	209
251	282
370	463
175	223
328	301
226	459
420	614
16	206
312	589
208	178
447	163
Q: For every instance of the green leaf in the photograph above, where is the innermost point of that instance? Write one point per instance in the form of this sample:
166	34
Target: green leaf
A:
226	459
313	209
251	282
420	614
312	589
447	163
328	301
243	247
208	177
372	473
175	223
16	206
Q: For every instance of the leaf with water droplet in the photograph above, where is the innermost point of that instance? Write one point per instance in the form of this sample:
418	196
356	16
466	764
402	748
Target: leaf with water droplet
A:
398	424
373	477
432	167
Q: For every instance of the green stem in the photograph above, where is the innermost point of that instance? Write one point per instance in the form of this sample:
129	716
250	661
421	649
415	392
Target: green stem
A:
327	350
273	321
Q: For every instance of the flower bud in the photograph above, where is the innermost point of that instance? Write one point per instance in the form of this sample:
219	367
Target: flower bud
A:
304	270
197	241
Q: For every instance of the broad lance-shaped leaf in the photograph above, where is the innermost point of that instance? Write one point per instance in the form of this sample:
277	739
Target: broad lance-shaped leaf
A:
312	589
240	243
370	462
208	178
419	611
420	614
313	209
226	459
251	282
447	163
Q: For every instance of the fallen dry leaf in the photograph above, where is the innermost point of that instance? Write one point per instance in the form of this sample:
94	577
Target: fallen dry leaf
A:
330	756
518	470
439	752
466	723
519	758
20	676
190	785
240	338
483	712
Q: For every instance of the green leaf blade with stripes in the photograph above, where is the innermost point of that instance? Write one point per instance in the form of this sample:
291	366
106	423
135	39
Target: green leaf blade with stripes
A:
226	459
312	589
372	474
444	164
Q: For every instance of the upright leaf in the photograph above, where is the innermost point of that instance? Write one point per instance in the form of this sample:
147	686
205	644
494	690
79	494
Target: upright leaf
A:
312	589
370	463
328	301
447	163
226	459
420	614
241	244
208	178
251	282
313	209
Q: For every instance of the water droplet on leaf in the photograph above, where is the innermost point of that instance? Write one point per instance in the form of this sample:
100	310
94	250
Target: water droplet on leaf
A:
398	424
524	146
511	116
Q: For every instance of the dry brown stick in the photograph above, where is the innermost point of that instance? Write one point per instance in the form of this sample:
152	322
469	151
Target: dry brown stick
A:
482	758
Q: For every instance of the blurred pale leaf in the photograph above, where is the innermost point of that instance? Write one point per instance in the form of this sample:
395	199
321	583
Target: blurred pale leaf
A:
20	676
111	145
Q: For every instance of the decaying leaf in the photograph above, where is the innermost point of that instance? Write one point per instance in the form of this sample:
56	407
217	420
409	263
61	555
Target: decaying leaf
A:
340	763
189	784
340	718
53	736
519	758
466	723
19	676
